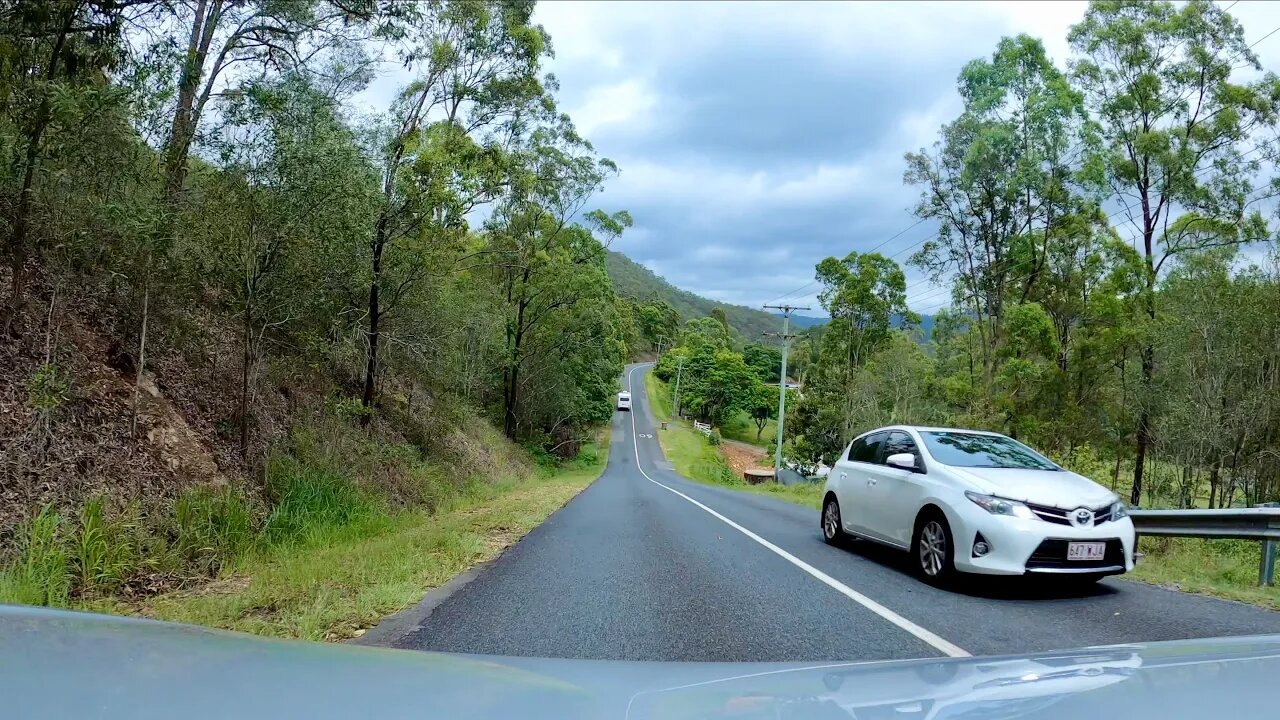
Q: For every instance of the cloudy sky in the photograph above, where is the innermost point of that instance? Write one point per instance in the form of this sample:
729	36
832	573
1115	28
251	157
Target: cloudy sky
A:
756	139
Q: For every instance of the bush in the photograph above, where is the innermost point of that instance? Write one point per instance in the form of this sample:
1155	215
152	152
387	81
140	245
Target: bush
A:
212	526
715	437
105	552
42	575
308	499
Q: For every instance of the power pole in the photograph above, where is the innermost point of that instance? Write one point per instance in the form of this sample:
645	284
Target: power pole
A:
675	395
782	378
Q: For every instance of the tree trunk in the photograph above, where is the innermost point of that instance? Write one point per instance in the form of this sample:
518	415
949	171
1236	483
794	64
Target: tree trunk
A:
509	402
375	314
182	129
1144	422
1213	484
21	221
246	359
511	391
142	363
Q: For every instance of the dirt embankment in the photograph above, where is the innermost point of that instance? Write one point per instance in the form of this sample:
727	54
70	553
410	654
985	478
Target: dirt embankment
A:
742	456
67	431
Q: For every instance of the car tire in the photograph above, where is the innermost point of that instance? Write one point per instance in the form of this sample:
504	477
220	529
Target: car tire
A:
932	550
832	530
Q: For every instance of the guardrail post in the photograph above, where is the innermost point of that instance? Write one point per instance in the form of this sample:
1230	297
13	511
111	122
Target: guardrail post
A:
1267	564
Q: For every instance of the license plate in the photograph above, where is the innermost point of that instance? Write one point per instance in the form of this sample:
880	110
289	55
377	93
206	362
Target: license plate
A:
1086	550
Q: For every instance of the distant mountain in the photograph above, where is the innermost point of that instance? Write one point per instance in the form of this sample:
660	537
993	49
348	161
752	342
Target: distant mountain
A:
925	326
635	281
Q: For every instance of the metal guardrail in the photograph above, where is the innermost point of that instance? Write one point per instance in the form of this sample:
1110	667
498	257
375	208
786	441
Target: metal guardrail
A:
1260	523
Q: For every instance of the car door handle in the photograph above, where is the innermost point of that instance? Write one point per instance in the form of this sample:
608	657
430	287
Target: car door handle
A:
871	482
844	475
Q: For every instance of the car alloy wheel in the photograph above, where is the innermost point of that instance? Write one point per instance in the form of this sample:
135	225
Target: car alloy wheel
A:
831	531
933	548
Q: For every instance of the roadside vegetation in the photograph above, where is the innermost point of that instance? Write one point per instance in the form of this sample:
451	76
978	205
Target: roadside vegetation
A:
260	360
332	555
694	456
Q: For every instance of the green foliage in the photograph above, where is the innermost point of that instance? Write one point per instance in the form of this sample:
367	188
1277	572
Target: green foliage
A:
639	284
346	408
308	498
212	525
766	360
42	574
48	388
715	438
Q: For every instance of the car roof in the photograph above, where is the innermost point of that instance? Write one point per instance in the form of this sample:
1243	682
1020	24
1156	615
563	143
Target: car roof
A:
929	428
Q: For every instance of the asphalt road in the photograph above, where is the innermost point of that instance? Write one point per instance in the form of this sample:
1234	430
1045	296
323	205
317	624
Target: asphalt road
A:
646	565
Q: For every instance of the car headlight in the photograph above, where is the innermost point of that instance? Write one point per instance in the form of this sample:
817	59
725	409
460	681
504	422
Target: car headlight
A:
1118	510
1000	506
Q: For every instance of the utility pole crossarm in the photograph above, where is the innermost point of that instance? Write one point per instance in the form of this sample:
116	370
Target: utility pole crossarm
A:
782	378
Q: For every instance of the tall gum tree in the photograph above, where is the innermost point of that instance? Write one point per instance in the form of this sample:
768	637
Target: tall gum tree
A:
1182	142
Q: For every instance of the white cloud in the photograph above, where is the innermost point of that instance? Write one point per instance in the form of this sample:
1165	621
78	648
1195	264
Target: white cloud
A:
628	102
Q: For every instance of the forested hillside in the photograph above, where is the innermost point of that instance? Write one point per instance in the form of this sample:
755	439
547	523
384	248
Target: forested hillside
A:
235	305
637	282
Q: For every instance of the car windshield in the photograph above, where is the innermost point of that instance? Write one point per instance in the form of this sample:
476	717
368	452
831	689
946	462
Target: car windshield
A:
310	311
976	450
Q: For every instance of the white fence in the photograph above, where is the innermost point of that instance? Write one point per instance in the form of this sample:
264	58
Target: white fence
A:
703	428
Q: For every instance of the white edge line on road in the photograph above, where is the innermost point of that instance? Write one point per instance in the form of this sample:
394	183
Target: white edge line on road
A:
942	645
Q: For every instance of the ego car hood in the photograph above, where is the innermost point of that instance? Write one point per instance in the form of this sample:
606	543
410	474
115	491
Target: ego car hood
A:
57	664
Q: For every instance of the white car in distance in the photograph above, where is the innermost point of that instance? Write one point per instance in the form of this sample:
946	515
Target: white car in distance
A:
624	401
974	502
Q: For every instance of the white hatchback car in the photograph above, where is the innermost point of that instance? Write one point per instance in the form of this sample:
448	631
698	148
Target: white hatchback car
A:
974	502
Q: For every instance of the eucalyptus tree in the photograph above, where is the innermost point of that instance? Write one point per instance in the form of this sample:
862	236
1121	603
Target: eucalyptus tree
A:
1182	140
864	294
291	191
549	253
1002	181
54	57
476	66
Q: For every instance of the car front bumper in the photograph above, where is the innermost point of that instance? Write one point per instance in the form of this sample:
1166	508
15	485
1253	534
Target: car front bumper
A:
1034	546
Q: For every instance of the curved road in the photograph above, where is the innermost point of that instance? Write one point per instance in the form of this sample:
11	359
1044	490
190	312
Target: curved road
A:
646	565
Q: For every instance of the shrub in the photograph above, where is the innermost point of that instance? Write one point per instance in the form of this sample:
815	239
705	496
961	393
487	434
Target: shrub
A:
104	551
309	498
715	437
42	574
212	526
47	389
346	408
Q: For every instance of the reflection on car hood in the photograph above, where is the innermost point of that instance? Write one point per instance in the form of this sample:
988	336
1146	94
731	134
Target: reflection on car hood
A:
56	664
1060	488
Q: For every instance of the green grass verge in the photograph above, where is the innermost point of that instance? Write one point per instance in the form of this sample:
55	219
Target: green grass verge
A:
347	578
743	429
694	457
329	560
1222	568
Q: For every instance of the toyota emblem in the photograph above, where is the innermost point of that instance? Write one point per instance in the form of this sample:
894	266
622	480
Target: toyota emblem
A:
1082	517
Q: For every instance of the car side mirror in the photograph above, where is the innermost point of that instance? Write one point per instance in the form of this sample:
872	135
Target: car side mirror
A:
906	461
